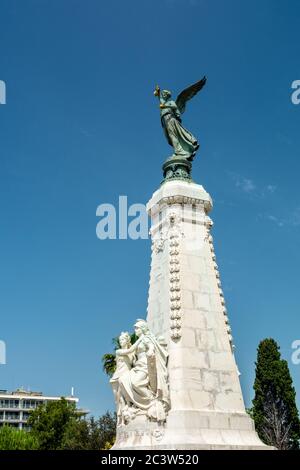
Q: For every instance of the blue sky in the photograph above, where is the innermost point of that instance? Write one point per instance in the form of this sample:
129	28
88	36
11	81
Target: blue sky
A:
81	127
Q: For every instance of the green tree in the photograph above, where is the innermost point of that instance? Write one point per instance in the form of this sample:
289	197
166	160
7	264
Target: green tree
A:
106	430
48	422
17	439
109	363
76	435
90	434
274	406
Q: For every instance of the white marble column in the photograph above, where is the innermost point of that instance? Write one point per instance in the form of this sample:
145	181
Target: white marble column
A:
186	305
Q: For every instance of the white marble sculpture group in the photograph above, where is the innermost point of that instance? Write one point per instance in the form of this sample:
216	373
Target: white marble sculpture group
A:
140	382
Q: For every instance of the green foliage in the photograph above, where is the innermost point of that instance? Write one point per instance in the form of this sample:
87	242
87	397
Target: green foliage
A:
133	338
76	435
90	434
16	439
106	430
58	426
48	423
274	405
109	364
109	359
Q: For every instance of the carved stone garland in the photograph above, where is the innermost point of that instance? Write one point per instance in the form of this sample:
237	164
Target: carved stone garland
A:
175	236
209	224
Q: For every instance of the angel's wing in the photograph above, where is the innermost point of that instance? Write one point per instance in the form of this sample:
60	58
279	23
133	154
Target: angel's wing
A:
188	93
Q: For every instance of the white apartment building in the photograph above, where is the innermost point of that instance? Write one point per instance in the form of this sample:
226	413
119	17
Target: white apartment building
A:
15	407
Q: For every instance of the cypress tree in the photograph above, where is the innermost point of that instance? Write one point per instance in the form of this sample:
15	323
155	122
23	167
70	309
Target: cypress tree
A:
274	406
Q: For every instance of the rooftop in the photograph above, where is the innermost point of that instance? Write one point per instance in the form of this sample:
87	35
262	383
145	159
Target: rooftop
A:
21	392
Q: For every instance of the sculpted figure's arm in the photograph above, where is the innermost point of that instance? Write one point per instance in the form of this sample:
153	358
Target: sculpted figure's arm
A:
125	352
168	104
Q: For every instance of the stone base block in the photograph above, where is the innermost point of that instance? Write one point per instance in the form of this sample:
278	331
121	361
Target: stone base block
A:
191	430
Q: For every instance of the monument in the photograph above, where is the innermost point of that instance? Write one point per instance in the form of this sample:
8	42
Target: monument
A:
177	386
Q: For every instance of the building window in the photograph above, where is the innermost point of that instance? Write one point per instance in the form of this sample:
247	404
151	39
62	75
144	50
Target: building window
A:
12	416
9	403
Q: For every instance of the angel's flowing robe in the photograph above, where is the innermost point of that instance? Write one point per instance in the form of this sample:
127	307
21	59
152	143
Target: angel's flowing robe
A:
184	143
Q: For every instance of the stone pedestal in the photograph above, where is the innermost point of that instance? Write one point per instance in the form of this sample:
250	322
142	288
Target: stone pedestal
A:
186	305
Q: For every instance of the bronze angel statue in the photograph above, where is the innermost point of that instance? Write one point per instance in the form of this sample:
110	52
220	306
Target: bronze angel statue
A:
185	145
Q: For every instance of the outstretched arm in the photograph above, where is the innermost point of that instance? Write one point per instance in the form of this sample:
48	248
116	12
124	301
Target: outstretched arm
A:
125	352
